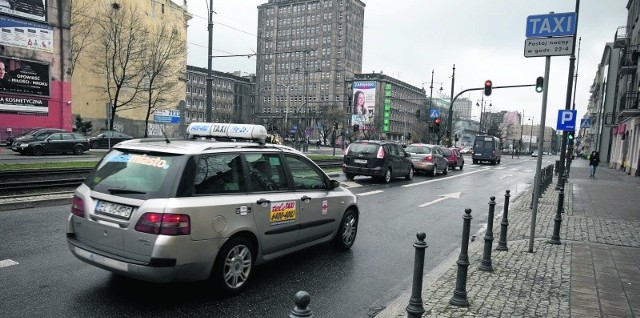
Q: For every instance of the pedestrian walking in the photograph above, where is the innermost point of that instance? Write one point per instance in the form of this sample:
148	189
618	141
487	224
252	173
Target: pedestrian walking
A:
318	144
594	160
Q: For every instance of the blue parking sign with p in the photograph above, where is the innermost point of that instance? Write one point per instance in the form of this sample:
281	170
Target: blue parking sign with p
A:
567	120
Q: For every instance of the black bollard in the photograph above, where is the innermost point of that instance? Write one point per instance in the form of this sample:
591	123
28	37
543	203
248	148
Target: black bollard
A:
502	242
555	238
302	300
485	265
460	293
415	308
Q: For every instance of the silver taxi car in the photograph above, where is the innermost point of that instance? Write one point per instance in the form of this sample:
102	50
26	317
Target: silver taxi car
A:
185	210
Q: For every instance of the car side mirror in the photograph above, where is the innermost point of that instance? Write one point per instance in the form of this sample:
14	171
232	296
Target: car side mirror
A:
334	184
408	155
48	140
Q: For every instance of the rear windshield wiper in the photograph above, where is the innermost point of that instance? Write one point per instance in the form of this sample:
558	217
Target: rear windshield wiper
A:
120	191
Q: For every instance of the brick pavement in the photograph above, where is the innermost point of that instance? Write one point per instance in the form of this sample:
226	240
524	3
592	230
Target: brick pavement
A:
594	272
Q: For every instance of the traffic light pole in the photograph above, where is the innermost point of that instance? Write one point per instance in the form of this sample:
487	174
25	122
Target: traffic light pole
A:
450	114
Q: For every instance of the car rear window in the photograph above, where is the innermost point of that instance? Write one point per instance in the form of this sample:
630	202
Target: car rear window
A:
137	175
446	152
418	149
363	148
482	144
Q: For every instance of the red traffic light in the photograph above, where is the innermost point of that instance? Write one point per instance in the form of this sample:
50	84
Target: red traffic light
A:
437	121
487	87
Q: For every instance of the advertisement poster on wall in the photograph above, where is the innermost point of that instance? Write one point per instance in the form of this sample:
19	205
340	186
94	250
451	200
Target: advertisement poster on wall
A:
23	77
26	34
23	105
364	102
29	9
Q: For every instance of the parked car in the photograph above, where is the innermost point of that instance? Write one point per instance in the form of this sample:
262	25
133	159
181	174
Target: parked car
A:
11	139
486	148
53	143
35	134
197	209
107	139
428	158
466	150
383	160
454	158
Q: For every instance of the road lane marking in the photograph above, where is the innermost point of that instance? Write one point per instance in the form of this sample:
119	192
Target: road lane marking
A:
506	175
445	178
350	184
454	195
371	192
7	263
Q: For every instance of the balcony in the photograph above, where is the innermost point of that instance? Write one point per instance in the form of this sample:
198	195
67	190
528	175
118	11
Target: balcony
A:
622	38
629	62
629	105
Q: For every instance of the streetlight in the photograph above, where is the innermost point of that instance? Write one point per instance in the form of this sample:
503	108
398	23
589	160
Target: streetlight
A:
482	105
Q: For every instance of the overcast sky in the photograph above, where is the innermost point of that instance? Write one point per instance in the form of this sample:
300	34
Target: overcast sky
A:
407	39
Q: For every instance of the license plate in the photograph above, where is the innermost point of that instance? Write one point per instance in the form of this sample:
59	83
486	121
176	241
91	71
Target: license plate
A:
113	209
112	263
362	161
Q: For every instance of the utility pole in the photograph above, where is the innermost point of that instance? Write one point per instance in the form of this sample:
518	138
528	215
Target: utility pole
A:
450	117
430	106
565	134
209	101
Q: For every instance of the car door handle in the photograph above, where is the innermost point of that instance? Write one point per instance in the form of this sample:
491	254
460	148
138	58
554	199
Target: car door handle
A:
305	198
263	201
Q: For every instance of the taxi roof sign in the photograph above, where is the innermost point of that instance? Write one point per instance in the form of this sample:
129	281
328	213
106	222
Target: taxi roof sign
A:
227	130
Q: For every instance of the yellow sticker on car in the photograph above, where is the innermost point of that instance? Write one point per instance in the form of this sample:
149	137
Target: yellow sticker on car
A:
283	212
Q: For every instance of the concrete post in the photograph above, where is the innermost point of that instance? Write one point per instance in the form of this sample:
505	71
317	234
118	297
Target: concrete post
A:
555	238
302	300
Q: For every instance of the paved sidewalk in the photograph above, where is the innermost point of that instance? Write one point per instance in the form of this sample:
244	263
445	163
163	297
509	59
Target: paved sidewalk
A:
594	272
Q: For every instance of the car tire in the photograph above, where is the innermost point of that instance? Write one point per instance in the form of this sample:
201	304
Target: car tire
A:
446	170
37	151
462	165
475	161
78	150
386	178
409	175
95	145
347	231
233	266
350	176
434	172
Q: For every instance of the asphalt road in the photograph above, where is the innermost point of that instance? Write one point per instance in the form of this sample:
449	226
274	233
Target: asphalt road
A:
48	281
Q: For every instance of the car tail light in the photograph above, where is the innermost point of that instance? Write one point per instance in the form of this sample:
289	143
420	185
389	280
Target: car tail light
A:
380	154
427	159
165	224
77	206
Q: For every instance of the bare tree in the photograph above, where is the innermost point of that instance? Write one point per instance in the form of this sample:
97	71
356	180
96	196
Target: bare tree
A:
82	24
330	117
162	67
120	45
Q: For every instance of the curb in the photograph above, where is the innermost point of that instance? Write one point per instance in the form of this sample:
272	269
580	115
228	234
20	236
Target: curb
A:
36	203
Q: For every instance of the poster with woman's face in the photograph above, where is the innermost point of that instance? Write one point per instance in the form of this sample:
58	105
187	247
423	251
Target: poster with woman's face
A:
364	98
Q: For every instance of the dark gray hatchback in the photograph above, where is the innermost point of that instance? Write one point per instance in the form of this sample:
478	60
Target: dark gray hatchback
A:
382	160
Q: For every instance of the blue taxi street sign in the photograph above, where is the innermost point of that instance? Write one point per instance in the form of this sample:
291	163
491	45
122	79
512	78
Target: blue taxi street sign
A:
553	24
585	123
434	113
567	120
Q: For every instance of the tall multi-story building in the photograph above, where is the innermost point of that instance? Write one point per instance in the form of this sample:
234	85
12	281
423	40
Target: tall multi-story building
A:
306	50
233	96
35	85
91	99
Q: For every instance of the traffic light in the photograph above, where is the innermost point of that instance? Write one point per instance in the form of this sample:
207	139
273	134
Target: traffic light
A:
408	136
487	87
539	84
335	126
456	138
356	127
436	125
570	135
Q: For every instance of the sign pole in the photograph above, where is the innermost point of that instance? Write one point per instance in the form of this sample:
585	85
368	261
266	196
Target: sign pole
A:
536	188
